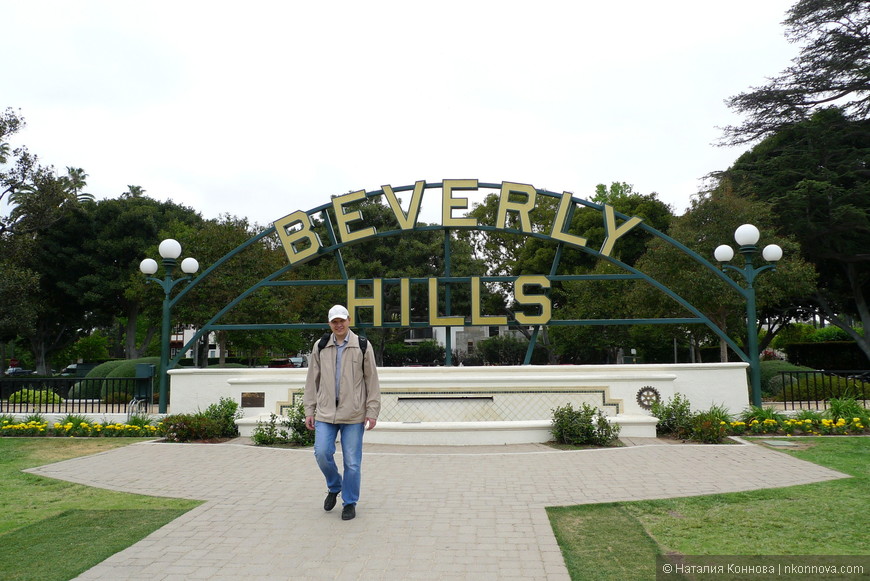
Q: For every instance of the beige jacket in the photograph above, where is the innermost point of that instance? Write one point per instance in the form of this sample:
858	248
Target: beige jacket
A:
360	393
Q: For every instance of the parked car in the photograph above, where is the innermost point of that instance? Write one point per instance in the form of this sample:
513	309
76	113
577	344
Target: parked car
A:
13	371
289	362
68	370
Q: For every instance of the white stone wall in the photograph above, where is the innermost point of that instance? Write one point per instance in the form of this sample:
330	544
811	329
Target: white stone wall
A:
430	397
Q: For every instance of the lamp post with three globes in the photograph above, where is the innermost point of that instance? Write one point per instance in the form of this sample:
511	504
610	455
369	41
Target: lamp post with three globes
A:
747	237
169	251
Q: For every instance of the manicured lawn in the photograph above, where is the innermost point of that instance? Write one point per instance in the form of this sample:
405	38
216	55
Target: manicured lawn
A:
55	530
622	540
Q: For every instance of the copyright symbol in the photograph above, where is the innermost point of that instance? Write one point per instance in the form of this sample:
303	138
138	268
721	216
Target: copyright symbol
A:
667	568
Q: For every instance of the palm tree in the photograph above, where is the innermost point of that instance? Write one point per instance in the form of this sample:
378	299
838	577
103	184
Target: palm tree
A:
75	181
134	192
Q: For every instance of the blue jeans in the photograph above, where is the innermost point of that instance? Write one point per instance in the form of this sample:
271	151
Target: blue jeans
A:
351	452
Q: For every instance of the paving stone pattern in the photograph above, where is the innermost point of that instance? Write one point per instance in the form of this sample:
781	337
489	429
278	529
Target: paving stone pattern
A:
424	513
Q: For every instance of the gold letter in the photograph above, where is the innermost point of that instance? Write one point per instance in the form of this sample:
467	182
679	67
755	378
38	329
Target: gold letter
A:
476	318
290	239
406	221
434	319
354	302
524	299
344	219
405	293
522	208
614	233
448	202
558	232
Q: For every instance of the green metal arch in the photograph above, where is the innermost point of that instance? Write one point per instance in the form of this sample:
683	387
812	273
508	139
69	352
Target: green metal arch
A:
334	246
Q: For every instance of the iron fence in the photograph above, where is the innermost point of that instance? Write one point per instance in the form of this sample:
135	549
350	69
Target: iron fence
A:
25	395
813	389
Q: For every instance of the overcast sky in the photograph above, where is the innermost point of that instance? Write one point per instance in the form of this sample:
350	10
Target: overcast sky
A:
259	108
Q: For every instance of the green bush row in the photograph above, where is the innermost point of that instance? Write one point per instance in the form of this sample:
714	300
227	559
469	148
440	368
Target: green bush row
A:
586	426
676	419
218	421
288	430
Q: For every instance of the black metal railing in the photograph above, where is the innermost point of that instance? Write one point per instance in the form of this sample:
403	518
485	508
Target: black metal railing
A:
813	389
25	395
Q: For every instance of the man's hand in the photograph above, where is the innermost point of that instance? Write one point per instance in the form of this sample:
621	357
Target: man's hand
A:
309	422
371	423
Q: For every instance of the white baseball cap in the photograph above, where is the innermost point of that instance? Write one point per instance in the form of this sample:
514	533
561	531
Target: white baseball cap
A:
338	312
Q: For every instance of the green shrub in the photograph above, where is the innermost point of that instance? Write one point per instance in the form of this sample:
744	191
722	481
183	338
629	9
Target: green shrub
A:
675	416
811	415
140	420
225	413
816	387
91	386
292	430
116	389
74	425
583	427
299	434
760	414
829	333
771	380
103	369
848	409
35	396
268	434
85	389
190	427
711	426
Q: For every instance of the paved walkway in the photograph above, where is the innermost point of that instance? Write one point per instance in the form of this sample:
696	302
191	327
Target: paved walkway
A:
441	513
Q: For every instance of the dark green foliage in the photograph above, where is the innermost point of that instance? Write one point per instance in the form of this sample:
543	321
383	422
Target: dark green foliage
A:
190	427
711	426
423	353
115	389
675	416
847	408
291	430
225	413
831	67
268	434
91	386
771	381
818	386
503	350
760	414
831	355
35	396
812	174
586	426
299	434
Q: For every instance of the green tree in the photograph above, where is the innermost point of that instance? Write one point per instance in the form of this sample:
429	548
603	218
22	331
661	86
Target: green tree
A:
814	176
120	232
711	221
506	253
211	241
830	69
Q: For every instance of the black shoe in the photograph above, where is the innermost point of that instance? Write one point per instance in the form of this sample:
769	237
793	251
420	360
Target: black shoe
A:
348	512
329	501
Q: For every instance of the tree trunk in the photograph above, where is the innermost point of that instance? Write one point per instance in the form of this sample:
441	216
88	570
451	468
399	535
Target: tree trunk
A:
130	350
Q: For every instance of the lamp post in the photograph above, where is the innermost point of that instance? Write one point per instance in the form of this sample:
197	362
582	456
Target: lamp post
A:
747	237
169	251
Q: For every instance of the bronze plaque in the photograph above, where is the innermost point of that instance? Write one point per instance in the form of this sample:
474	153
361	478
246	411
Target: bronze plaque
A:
253	399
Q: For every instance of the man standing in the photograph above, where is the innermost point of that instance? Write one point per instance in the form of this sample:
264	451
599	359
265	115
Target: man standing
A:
342	396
